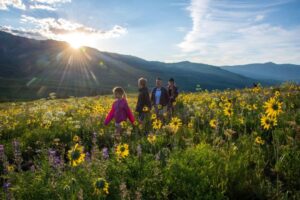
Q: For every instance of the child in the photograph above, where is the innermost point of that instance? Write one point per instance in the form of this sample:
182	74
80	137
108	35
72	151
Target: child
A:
120	111
143	103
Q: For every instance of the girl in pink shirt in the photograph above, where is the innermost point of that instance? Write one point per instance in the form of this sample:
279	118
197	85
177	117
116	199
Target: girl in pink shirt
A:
120	111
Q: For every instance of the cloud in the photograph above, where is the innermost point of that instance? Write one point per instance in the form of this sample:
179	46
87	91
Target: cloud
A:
223	33
60	29
42	7
5	4
259	17
51	1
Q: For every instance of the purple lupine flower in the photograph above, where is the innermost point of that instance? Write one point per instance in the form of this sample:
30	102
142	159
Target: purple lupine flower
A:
105	153
6	187
87	157
51	156
139	150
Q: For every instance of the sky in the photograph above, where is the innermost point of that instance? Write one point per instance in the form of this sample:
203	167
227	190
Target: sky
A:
217	32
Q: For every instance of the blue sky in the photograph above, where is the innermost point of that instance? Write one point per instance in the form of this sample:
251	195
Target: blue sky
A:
219	32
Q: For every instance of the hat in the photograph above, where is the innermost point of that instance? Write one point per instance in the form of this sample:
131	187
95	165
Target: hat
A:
171	79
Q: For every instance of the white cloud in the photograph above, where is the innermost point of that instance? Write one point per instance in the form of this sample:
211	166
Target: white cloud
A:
42	7
51	1
5	4
61	29
259	17
222	33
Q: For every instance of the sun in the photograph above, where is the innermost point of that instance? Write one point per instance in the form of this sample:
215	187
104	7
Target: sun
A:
76	40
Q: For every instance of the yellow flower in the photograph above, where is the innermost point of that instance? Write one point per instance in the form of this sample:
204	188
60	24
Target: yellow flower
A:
277	94
228	111
101	186
273	107
123	124
241	120
159	107
190	125
153	116
156	124
213	123
175	122
151	138
122	151
145	109
76	155
76	139
10	168
259	140
268	122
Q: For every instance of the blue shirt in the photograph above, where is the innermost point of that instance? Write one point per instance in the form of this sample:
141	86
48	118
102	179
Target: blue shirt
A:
157	96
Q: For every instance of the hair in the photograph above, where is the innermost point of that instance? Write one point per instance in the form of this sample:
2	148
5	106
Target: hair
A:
158	78
142	82
171	79
118	91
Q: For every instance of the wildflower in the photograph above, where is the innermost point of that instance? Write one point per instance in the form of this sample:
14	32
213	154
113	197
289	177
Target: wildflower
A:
259	140
153	116
56	141
159	107
273	107
190	125
76	155
122	150
101	186
228	111
229	133
174	125
213	123
268	122
277	94
135	123
10	168
156	124
76	139
123	124
151	138
145	109
105	153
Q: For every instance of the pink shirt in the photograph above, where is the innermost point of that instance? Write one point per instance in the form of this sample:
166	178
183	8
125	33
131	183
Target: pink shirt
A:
120	111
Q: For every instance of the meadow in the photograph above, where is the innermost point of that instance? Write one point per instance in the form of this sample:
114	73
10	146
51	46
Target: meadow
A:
232	144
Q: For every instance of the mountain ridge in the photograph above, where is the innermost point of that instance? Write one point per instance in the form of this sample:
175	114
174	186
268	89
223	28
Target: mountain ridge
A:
31	69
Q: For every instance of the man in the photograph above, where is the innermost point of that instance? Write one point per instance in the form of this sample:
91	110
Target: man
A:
159	98
173	93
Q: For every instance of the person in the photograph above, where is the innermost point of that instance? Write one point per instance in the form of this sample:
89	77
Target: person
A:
159	98
143	104
120	111
173	93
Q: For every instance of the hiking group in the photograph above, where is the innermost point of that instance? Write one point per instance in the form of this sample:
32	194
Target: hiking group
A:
161	100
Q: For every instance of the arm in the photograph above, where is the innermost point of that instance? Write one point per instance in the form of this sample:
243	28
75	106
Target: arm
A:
110	116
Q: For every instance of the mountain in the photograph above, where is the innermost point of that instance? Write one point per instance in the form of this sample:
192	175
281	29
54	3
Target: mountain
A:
31	69
268	71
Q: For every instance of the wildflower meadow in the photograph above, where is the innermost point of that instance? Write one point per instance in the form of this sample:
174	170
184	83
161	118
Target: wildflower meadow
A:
231	144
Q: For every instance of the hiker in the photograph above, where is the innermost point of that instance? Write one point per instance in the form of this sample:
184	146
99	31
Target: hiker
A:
143	105
159	98
120	111
173	93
